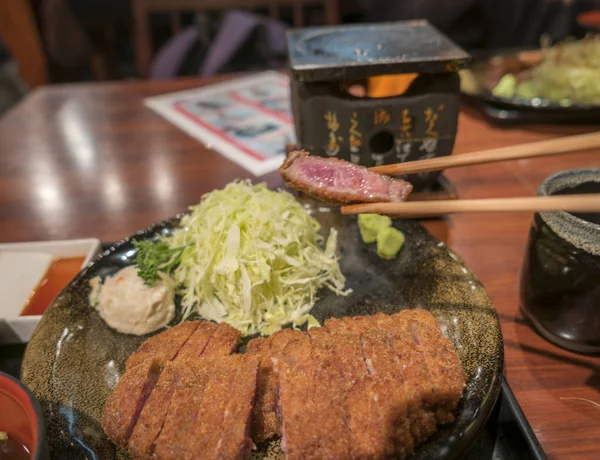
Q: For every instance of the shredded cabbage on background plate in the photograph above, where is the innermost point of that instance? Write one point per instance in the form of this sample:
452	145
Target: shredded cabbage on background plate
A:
254	259
568	74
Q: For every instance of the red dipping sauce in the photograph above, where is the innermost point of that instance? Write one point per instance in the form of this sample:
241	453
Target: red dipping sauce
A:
60	273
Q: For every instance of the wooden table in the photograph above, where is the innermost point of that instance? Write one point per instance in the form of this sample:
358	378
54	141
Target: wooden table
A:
92	161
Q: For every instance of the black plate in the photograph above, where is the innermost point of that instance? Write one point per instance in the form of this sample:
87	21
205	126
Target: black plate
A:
74	359
487	71
507	434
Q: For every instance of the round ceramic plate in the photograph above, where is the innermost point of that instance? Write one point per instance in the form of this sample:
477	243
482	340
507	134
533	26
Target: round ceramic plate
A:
74	359
484	74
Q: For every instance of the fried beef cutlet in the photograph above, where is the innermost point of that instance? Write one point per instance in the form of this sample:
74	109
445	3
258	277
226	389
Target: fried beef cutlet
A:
401	325
187	340
364	387
142	442
445	371
205	433
165	345
417	386
187	402
353	324
235	439
365	395
380	321
340	182
361	383
125	403
228	392
264	418
136	410
224	341
389	426
184	408
195	346
360	403
329	398
338	399
296	371
432	358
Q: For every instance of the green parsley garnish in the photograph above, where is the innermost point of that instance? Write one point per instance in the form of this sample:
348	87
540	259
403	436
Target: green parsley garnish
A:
153	257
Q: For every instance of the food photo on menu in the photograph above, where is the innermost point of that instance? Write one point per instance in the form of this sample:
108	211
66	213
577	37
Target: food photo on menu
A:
331	231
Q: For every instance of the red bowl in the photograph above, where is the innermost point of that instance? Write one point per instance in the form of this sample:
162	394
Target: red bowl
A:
21	417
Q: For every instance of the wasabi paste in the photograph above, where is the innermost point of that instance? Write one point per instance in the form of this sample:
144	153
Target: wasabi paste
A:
371	224
389	242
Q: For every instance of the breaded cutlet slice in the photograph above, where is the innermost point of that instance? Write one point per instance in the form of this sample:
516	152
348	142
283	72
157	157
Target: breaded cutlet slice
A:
235	441
380	321
298	413
367	386
347	351
419	391
196	344
320	391
164	345
369	437
190	339
445	370
125	403
212	407
152	418
359	401
418	315
353	324
264	418
225	375
329	398
259	345
184	408
365	396
416	384
224	341
397	413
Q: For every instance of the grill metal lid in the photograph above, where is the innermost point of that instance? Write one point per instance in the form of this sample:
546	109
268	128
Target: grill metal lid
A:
361	51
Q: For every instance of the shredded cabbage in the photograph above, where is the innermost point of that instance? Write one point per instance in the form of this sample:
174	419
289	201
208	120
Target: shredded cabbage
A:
568	74
253	258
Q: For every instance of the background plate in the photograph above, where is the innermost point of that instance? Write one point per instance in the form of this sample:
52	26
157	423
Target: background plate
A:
486	71
74	359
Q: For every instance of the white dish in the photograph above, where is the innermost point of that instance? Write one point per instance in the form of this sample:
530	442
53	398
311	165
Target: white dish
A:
20	274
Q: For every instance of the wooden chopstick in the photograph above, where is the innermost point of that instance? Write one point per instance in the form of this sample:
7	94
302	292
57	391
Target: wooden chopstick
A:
534	149
571	203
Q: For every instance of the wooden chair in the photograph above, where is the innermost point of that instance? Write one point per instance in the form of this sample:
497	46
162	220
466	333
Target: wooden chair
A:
20	33
143	8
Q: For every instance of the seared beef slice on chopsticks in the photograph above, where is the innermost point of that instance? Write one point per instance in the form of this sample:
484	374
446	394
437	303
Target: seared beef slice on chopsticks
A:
340	182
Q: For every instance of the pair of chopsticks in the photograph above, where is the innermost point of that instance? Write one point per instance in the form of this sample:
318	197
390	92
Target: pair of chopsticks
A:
570	203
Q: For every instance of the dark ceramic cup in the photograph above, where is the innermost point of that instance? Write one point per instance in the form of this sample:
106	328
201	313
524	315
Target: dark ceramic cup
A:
560	277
